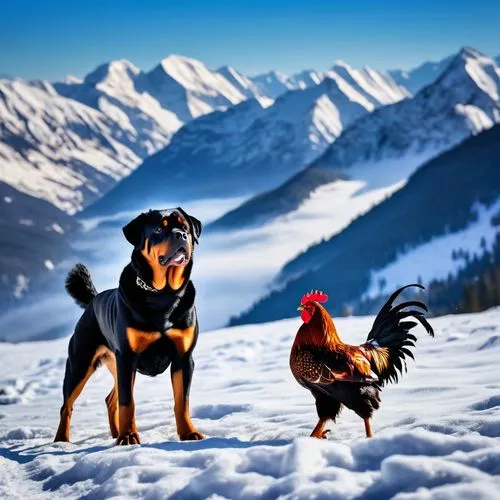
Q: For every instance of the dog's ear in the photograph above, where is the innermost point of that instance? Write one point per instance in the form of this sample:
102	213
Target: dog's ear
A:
133	231
194	223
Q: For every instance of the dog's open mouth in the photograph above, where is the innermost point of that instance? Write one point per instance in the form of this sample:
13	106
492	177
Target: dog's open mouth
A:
179	258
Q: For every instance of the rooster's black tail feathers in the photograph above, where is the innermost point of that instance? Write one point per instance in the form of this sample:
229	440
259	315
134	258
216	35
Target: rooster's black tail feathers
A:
390	330
79	285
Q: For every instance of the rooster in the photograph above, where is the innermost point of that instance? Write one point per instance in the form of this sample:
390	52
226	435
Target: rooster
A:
339	374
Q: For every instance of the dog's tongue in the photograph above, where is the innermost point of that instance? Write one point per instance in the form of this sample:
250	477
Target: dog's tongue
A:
180	258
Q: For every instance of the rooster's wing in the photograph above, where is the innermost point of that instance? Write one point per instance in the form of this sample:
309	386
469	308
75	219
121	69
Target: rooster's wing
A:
324	367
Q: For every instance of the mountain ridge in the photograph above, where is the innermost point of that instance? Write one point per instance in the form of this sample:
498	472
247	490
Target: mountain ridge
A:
414	215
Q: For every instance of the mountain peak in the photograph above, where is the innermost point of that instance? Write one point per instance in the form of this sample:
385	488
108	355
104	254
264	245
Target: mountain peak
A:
176	62
471	67
114	70
271	75
341	64
467	52
72	79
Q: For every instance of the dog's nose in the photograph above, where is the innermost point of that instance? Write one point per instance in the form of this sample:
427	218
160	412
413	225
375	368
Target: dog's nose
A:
180	234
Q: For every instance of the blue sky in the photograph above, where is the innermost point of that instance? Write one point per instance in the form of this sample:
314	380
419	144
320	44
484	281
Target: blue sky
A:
49	39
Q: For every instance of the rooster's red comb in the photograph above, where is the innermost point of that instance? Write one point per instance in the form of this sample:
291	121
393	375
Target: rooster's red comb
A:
314	295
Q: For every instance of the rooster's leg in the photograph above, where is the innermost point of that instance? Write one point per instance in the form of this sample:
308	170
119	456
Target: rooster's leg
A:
368	427
319	431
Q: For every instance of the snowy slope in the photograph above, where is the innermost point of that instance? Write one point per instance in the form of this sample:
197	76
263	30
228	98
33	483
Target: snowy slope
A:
242	155
417	78
392	141
58	149
436	434
434	260
377	87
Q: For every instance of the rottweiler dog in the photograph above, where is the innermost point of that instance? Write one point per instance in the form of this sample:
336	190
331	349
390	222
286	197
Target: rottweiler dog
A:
146	324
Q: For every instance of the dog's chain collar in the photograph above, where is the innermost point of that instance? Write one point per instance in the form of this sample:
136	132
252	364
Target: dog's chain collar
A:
142	284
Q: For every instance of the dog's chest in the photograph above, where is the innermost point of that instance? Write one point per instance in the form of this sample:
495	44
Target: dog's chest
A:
140	340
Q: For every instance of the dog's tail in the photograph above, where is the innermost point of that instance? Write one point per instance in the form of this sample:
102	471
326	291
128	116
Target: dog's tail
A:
79	285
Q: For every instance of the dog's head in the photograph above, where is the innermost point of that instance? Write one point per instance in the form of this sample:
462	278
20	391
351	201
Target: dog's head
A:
165	239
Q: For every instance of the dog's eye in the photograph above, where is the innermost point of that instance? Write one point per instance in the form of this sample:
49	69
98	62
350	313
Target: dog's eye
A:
158	230
185	228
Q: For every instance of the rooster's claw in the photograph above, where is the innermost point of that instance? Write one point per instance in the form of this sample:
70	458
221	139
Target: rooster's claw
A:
320	435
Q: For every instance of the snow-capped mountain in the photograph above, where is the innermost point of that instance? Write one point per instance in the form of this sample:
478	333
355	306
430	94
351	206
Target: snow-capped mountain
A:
189	89
115	89
58	149
273	84
33	240
70	142
246	149
377	87
391	142
245	86
447	214
417	78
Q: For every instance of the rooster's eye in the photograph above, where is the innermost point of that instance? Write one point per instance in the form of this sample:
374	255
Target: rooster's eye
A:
158	230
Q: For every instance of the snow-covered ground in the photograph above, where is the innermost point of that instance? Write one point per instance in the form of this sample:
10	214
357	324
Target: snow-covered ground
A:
436	433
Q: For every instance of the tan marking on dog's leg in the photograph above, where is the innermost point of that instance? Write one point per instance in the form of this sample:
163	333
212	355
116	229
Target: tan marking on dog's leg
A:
63	429
185	428
112	397
127	428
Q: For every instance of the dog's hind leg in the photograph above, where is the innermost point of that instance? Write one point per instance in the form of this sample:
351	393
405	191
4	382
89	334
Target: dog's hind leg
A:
112	398
84	351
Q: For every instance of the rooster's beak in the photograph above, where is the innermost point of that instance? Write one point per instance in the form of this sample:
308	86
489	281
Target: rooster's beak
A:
300	308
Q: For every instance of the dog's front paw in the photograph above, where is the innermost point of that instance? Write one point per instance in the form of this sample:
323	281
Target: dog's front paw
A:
128	438
191	436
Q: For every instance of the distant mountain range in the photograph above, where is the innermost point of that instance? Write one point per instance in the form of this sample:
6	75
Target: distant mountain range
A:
421	76
251	147
70	142
450	202
383	148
